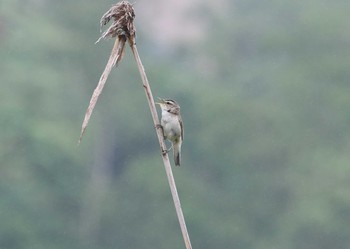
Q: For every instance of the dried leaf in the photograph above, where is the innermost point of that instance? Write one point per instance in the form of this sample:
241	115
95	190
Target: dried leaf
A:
114	59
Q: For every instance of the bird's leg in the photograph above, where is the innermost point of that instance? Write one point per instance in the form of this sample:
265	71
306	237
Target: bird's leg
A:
159	126
172	145
166	150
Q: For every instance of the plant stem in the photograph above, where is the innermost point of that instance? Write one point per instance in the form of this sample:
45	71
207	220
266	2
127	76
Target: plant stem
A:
165	157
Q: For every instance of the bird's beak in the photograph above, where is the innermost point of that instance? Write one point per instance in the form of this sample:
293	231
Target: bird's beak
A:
161	101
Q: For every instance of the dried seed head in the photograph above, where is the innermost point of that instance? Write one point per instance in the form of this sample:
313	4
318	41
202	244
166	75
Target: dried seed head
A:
123	21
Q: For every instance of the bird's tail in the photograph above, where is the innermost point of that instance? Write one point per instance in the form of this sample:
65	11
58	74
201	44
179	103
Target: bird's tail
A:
177	153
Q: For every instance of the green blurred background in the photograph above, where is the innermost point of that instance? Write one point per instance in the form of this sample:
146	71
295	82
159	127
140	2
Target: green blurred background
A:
265	96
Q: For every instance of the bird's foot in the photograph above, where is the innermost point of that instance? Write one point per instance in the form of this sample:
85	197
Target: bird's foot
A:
164	152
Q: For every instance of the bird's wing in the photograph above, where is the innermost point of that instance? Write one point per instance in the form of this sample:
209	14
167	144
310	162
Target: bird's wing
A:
182	128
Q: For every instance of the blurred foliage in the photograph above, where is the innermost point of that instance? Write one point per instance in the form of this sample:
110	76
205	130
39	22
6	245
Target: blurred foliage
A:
265	102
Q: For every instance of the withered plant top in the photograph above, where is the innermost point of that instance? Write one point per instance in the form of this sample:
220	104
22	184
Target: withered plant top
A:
123	21
124	30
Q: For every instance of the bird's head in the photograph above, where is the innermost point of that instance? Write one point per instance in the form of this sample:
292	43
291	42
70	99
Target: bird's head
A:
169	105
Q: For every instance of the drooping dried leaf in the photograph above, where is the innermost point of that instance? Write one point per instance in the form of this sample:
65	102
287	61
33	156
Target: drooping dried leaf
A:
123	28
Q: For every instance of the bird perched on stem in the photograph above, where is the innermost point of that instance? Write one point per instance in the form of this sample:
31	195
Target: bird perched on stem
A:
172	126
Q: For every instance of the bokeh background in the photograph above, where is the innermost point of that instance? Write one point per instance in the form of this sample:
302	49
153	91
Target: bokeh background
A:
265	96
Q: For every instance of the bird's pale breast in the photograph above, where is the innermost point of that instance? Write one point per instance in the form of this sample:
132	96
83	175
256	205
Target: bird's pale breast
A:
171	126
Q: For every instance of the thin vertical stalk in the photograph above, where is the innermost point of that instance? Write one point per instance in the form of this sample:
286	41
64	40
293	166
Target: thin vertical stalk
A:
165	156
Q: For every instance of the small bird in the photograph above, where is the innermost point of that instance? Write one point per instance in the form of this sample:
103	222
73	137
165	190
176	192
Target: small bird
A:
172	125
